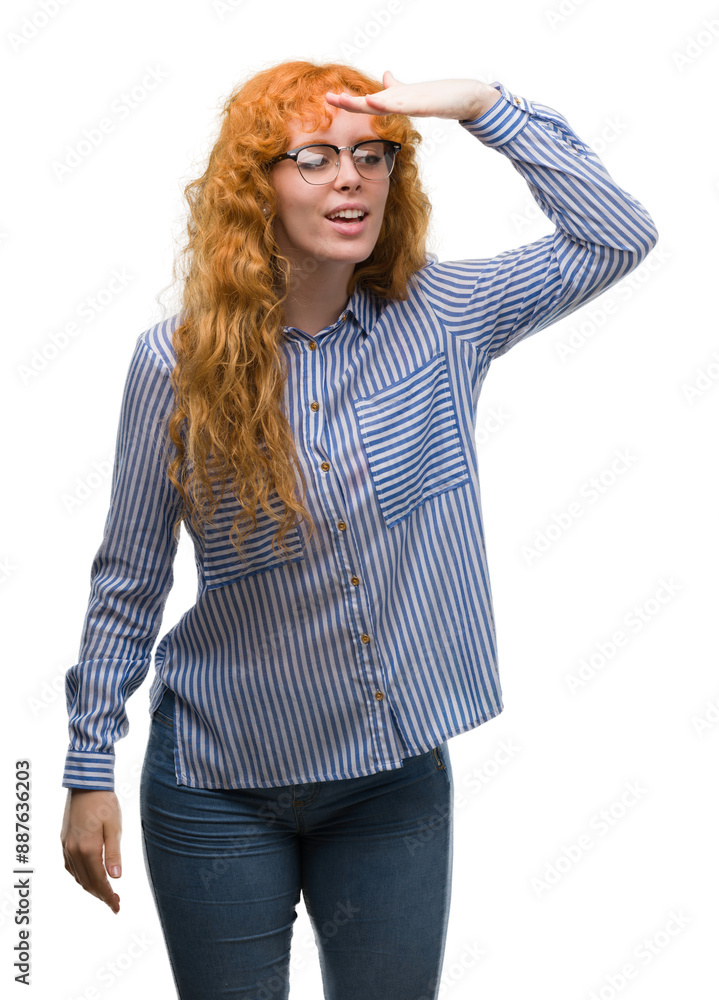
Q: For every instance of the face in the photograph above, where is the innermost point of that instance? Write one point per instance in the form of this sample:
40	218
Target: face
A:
302	229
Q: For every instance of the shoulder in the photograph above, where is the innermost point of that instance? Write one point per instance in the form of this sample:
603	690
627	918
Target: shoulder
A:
431	266
420	276
438	277
157	340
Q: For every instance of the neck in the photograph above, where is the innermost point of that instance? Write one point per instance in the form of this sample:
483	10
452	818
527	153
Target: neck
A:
317	297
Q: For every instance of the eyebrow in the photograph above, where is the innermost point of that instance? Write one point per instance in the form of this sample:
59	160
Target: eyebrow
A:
366	138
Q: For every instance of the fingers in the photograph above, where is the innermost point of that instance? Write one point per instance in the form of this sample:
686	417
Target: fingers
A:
92	820
70	867
390	80
86	867
350	102
96	881
113	859
369	104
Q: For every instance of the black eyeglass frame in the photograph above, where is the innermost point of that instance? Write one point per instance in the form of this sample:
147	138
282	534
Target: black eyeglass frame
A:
292	154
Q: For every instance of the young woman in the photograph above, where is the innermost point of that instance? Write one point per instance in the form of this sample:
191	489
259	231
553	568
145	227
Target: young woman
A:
344	631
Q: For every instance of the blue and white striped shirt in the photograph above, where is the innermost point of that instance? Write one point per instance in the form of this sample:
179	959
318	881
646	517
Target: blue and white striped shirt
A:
377	640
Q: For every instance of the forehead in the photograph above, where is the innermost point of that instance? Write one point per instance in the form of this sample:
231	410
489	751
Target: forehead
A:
346	128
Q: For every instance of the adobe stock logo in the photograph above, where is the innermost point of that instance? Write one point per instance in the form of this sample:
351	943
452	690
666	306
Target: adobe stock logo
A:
32	24
704	378
600	824
364	34
696	45
121	107
594	489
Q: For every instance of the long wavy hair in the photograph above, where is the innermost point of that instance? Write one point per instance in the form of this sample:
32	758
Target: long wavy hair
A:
228	425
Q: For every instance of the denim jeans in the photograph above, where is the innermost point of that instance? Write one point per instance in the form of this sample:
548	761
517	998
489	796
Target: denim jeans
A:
372	857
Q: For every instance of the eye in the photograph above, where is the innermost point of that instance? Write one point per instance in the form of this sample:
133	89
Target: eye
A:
314	159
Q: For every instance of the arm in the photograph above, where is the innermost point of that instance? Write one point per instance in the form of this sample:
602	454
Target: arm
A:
131	576
602	233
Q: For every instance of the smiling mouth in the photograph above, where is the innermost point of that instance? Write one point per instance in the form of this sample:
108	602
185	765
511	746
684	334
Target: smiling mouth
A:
348	225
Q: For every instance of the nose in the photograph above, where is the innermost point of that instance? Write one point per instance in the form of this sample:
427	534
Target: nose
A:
347	173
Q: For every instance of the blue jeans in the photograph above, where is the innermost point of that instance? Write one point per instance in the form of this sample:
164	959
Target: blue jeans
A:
371	855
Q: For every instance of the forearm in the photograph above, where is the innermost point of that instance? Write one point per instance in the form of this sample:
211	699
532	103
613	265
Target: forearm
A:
567	179
602	232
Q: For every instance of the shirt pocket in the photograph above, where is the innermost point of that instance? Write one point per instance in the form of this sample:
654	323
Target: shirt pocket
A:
222	564
411	436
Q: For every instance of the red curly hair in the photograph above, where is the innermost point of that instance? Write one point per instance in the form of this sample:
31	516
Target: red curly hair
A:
227	426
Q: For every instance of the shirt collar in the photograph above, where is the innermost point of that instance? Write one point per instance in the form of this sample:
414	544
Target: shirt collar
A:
363	305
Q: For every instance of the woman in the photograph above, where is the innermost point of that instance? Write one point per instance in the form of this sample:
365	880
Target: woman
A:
342	633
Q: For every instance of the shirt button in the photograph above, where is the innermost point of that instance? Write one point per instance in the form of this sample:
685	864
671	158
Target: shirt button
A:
341	525
364	638
325	466
355	581
313	345
379	696
314	405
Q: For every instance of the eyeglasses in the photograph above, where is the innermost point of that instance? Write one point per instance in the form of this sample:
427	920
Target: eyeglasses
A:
320	164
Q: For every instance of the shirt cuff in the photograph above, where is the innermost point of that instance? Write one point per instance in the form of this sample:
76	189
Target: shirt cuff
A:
91	769
503	121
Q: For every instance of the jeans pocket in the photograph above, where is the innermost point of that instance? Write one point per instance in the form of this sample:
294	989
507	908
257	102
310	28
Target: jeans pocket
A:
165	711
411	435
438	754
163	720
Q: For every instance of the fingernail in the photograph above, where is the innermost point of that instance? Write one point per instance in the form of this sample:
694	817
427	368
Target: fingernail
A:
115	870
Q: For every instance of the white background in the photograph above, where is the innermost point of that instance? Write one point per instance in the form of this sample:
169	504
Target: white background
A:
641	88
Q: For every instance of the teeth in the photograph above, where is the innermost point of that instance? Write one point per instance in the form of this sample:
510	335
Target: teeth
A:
348	213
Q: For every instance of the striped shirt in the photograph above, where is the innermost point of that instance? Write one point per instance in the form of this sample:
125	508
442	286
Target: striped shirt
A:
376	642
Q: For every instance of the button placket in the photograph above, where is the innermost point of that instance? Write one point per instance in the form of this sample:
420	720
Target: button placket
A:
330	497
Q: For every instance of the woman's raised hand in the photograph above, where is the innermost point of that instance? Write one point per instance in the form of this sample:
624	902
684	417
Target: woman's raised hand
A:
463	100
92	820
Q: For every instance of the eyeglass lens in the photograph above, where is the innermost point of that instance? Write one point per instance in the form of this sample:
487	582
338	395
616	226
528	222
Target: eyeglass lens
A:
318	164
